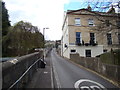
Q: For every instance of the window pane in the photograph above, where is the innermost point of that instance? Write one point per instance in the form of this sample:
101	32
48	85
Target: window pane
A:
77	21
88	53
92	35
78	37
109	38
73	50
77	34
77	40
92	38
90	22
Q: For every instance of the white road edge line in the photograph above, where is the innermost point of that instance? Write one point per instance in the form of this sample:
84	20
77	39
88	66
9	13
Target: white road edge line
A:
51	69
56	76
52	84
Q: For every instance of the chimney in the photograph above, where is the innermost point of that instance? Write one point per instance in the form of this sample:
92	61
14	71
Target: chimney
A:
89	8
111	10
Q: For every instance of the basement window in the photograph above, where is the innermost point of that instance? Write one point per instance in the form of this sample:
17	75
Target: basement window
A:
88	53
73	51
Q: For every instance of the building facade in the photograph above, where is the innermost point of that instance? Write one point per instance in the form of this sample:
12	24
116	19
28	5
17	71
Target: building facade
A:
89	33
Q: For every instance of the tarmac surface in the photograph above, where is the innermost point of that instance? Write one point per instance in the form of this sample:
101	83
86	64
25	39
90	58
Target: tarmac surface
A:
43	77
61	73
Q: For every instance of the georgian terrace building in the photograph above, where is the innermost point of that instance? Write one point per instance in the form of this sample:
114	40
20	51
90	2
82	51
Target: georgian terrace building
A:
90	33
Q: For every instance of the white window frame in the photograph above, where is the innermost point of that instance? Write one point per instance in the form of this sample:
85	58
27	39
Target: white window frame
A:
77	22
90	22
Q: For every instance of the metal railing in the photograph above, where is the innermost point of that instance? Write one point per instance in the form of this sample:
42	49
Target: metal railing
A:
16	84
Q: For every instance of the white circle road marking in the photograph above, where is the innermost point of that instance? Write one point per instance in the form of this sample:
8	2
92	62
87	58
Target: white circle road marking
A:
76	85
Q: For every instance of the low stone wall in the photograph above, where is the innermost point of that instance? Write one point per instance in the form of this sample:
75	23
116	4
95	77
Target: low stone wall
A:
12	70
110	71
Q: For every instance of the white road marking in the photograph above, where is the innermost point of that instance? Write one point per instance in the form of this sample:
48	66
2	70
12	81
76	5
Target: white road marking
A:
52	84
56	74
84	87
51	70
76	85
45	72
94	86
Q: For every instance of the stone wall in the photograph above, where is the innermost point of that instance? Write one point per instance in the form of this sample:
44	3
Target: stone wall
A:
110	71
12	70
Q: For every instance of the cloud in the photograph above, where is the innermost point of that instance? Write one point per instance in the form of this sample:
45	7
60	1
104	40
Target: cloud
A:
41	13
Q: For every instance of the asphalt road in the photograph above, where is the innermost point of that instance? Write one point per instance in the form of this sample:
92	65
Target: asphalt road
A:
69	75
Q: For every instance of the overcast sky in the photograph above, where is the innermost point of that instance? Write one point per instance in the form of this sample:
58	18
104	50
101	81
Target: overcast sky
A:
41	13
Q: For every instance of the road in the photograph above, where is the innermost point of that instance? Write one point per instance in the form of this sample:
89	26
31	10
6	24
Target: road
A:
70	75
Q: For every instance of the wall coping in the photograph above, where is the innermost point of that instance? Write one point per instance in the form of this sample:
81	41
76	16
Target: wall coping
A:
12	62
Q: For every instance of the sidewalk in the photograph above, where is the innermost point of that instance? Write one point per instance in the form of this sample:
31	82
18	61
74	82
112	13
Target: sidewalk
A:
43	77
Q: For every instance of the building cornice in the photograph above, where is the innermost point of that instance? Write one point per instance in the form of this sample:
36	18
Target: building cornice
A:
93	13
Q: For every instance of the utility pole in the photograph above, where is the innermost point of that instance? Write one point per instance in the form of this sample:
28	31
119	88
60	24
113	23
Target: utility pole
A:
44	43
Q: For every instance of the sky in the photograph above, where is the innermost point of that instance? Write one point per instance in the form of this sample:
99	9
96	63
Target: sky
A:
43	13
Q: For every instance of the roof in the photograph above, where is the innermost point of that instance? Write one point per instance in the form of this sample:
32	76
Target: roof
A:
79	12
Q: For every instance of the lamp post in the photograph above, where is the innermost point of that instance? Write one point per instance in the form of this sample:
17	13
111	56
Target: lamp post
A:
44	43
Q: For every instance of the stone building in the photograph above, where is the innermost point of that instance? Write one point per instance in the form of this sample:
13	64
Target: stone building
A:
89	33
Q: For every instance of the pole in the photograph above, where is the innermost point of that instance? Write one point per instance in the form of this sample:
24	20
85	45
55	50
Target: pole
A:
44	43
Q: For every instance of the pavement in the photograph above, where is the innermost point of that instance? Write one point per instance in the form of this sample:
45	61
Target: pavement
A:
44	77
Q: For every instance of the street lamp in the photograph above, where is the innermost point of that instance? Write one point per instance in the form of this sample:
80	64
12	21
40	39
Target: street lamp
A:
44	43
